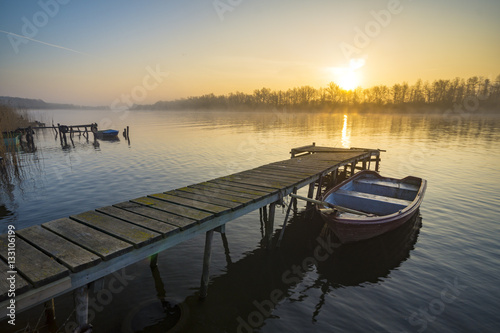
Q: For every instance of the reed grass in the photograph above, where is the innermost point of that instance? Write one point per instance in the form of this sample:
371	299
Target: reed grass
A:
10	120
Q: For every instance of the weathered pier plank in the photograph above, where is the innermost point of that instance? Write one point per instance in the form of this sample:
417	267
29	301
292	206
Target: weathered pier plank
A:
36	267
208	207
140	220
20	286
192	213
205	198
259	174
272	184
128	232
246	189
285	170
95	241
67	253
179	222
220	193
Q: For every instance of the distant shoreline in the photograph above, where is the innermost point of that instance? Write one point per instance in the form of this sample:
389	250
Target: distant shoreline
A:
361	109
347	109
29	103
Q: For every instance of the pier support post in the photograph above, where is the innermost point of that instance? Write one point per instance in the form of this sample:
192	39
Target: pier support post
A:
159	286
377	162
270	224
333	178
264	214
50	312
320	185
310	193
153	260
294	201
221	229
205	278
81	296
353	168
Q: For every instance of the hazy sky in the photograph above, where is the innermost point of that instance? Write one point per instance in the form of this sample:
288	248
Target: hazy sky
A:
104	52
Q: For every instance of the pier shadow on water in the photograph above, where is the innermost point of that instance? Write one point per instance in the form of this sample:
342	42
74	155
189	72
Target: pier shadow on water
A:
245	296
5	212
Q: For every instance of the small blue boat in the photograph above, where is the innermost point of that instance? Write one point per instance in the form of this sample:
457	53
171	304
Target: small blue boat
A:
107	134
11	139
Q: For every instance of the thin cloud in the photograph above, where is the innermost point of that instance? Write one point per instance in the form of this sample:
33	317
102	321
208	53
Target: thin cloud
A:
45	43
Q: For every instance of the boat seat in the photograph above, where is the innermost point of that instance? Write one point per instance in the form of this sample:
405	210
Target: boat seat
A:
367	202
385	188
403	186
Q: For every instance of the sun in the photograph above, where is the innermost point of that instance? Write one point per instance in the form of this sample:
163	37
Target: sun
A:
348	80
349	77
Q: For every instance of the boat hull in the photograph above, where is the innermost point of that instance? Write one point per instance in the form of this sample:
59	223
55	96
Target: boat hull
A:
107	134
386	207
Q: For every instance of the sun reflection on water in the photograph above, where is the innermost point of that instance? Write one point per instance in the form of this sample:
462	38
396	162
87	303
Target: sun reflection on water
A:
346	135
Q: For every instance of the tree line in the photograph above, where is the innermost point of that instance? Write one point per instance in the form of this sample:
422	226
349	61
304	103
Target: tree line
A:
479	91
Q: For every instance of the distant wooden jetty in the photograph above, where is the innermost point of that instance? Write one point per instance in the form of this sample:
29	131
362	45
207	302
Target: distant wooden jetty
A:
68	254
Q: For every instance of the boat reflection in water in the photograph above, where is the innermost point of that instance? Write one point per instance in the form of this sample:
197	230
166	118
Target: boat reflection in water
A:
371	260
242	298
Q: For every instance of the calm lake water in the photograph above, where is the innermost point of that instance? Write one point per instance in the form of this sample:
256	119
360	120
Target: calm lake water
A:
439	274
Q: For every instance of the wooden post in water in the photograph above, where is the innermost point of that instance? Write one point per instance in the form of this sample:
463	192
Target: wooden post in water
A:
221	229
153	260
310	194
270	224
60	134
205	278
71	131
353	168
93	129
50	311
320	184
81	297
159	286
333	178
294	201
377	162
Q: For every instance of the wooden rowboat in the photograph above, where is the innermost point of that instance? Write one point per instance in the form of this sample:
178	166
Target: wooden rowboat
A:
368	205
108	134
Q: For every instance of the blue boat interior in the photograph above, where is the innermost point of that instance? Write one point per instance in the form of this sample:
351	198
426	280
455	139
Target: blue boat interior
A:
374	195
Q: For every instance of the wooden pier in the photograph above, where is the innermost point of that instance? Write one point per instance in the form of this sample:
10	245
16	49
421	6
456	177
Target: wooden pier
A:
68	254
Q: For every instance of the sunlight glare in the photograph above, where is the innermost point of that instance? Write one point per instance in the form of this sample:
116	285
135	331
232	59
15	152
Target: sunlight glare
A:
348	78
